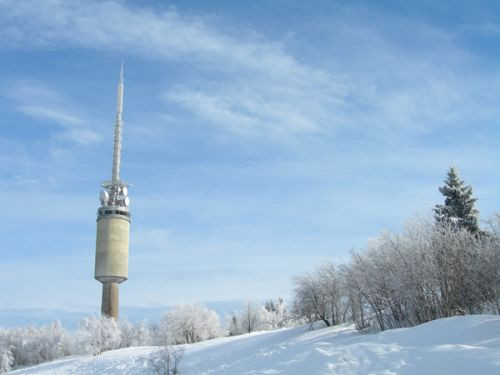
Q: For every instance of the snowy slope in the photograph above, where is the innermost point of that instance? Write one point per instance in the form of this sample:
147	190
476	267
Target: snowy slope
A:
459	345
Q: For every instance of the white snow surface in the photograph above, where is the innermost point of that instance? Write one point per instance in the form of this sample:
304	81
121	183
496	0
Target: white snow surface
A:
458	345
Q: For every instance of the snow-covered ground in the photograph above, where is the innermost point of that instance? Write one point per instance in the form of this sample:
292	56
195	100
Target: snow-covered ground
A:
459	345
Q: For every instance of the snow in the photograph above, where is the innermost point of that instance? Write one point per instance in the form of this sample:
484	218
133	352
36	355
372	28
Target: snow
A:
458	345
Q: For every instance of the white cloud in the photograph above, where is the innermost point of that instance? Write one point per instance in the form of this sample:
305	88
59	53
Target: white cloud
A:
47	207
43	103
267	89
115	25
487	27
25	90
243	113
369	82
60	117
81	136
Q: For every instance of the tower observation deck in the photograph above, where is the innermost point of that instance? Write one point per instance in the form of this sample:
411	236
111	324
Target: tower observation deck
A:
113	225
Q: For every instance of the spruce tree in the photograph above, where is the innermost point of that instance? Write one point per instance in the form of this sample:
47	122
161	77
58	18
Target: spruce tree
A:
458	208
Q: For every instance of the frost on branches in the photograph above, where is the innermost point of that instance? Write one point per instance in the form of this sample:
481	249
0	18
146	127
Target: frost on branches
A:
189	323
28	346
6	360
254	317
165	361
32	345
407	278
425	272
98	334
318	297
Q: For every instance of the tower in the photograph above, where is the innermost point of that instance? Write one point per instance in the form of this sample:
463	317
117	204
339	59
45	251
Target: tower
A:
113	225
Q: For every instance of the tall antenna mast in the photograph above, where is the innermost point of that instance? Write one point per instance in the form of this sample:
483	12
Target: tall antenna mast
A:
118	132
115	191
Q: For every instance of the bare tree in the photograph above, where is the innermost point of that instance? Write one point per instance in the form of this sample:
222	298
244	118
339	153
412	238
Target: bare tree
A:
165	361
251	318
311	299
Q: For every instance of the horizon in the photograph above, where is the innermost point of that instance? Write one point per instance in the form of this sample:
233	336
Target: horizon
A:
259	139
70	318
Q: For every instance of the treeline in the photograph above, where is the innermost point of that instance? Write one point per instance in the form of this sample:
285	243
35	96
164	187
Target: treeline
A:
255	317
430	270
404	279
182	324
28	346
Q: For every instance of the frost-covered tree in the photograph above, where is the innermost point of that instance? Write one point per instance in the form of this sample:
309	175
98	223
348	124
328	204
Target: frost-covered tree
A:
318	295
24	346
458	208
490	266
141	334
160	334
6	360
406	278
97	334
355	298
421	274
234	327
165	361
188	323
282	316
126	333
256	317
134	334
251	318
275	314
310	300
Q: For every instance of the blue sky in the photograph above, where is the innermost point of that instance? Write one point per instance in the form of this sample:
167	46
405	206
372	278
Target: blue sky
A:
260	137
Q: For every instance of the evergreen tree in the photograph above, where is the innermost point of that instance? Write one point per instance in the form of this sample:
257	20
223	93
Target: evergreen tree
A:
458	208
269	306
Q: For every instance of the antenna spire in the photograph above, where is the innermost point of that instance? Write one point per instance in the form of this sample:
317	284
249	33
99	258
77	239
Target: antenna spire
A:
118	131
115	191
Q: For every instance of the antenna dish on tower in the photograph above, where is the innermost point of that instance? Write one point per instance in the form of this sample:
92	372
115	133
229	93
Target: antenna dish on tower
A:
103	196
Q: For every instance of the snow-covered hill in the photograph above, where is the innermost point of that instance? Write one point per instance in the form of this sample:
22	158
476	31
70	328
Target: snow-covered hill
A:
459	345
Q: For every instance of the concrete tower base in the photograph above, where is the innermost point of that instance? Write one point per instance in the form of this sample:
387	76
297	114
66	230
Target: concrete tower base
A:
109	306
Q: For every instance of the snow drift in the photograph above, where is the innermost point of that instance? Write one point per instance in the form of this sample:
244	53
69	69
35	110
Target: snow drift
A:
458	345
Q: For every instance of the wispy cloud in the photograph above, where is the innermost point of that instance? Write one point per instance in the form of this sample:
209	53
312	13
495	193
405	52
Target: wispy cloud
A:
115	25
486	27
40	102
60	117
246	112
368	82
266	89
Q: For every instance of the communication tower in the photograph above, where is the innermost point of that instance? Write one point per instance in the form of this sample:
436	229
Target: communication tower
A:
113	225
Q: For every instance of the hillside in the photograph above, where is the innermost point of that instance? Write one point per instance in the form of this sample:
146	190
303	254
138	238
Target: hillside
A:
459	345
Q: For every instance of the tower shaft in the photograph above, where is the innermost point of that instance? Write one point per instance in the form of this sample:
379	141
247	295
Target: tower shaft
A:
110	300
